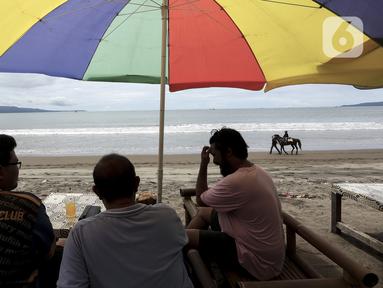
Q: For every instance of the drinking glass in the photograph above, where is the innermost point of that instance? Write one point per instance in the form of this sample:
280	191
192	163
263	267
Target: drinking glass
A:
70	207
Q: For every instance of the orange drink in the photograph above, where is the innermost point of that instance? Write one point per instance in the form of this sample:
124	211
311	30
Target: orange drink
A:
70	207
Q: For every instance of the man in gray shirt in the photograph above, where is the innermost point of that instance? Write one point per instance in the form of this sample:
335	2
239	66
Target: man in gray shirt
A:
128	245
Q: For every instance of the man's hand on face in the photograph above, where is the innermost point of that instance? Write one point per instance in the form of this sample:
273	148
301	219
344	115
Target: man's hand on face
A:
205	159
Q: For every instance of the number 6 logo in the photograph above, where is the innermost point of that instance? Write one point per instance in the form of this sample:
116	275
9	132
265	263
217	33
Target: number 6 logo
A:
342	37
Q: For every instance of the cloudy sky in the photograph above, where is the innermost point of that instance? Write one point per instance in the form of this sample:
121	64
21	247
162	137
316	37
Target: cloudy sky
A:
39	91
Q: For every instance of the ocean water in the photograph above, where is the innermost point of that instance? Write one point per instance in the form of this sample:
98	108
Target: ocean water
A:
186	131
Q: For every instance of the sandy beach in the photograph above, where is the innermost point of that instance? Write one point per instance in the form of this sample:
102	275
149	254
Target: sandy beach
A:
303	181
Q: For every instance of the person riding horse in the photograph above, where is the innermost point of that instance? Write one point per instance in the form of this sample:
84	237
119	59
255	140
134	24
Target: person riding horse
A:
293	142
286	137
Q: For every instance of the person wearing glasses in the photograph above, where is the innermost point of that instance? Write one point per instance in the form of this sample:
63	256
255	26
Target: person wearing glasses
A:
26	233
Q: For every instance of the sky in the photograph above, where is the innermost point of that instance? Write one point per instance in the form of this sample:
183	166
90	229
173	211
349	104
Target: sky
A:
44	92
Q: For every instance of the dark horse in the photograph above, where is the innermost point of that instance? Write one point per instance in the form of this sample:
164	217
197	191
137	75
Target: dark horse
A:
294	142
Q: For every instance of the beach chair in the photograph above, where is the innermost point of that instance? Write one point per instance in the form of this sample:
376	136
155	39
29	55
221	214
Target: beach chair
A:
297	272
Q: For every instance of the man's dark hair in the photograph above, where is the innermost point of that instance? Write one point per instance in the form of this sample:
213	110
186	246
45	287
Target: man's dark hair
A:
114	177
7	145
226	138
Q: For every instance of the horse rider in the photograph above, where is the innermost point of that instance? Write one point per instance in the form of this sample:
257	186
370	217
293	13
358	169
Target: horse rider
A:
286	137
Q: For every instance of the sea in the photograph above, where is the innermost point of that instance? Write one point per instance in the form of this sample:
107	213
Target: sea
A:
186	131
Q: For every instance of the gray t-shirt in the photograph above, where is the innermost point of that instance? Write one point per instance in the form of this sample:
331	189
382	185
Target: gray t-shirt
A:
137	246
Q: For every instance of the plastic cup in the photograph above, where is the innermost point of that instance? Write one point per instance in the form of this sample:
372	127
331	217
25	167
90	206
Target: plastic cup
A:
70	207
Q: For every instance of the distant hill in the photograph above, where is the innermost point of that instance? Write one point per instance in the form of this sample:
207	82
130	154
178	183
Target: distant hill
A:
14	109
364	104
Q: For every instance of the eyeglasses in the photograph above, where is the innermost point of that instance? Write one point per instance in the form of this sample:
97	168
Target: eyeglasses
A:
18	164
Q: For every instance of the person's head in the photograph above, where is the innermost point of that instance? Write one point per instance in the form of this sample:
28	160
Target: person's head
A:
227	145
115	178
9	169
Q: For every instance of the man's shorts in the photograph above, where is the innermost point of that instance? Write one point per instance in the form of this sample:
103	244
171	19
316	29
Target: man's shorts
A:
217	245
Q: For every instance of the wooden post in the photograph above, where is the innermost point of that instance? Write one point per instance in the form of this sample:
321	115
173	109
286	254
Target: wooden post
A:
291	242
336	210
187	216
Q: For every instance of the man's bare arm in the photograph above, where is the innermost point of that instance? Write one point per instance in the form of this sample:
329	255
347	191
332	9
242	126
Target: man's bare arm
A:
201	185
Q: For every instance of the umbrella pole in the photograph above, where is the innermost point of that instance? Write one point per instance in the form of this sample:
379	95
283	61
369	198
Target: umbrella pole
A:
164	12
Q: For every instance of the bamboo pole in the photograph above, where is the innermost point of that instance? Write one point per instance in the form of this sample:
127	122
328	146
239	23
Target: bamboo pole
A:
164	13
359	273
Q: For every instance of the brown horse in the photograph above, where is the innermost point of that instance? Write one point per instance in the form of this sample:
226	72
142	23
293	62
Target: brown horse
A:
294	142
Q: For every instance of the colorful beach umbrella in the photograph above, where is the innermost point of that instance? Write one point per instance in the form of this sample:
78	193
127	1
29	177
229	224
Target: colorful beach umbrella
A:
249	44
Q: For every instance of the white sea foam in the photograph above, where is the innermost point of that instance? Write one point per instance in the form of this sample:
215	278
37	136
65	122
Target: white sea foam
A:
96	133
200	128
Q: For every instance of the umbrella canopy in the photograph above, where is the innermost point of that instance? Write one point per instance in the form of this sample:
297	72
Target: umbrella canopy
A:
222	43
249	44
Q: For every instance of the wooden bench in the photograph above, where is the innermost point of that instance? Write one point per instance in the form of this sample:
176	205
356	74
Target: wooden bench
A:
370	194
296	271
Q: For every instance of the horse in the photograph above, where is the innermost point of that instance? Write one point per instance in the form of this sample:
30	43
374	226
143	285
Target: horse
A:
294	142
274	143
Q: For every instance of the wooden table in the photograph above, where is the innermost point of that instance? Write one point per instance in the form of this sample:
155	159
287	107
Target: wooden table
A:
370	194
55	205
